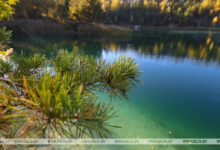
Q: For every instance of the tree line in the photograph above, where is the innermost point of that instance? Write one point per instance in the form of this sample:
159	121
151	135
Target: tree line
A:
125	12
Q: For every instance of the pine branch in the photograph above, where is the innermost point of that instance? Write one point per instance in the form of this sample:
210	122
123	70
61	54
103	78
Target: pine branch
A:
8	81
56	103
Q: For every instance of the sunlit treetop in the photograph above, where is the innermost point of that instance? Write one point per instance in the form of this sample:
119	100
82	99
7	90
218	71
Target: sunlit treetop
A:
115	4
6	9
215	20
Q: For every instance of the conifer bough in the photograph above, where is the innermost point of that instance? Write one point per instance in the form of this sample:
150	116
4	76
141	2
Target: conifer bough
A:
42	98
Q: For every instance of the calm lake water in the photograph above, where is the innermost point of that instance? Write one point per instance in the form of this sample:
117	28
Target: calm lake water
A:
181	82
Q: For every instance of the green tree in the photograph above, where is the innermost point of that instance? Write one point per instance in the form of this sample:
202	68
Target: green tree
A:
6	12
6	9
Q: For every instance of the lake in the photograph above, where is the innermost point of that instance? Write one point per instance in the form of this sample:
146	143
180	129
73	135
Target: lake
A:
180	90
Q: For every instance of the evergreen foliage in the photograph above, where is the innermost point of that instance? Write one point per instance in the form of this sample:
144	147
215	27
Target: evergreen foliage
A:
5	36
60	101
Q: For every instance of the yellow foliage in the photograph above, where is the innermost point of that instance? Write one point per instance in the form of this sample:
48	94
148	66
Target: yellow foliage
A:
147	3
113	47
115	4
105	4
6	8
168	9
191	53
163	5
215	20
155	48
154	3
218	54
203	53
211	46
217	6
208	40
206	4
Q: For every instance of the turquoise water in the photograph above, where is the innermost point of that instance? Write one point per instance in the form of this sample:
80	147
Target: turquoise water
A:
180	90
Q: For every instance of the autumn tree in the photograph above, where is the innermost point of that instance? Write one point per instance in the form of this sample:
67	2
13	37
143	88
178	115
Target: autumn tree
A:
6	12
115	4
86	10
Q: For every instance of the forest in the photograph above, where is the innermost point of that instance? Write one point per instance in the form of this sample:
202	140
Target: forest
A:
169	13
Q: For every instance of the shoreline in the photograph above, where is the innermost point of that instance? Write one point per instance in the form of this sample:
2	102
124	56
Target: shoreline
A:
184	28
167	28
53	27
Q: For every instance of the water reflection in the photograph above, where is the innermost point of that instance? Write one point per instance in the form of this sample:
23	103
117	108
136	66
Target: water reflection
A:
178	97
201	46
